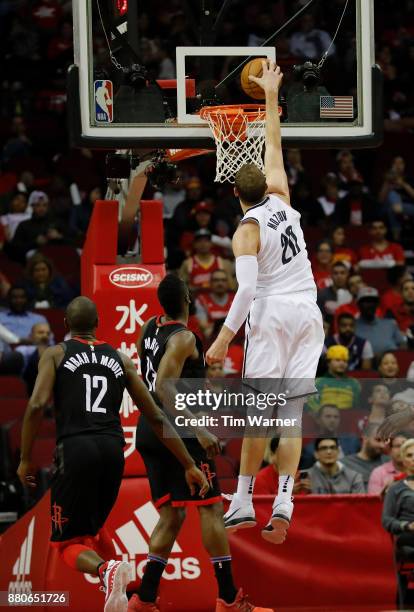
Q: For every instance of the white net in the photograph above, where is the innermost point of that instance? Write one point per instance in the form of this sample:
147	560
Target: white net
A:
239	132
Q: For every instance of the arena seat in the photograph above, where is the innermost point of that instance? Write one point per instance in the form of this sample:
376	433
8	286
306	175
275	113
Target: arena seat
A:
225	466
351	420
43	450
55	317
312	236
405	359
12	386
356	236
376	277
228	485
364	374
11	269
11	409
66	261
233	450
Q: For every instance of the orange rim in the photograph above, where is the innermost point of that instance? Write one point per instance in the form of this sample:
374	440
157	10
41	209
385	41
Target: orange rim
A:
251	111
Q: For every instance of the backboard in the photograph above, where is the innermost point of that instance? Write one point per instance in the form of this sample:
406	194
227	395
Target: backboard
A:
144	68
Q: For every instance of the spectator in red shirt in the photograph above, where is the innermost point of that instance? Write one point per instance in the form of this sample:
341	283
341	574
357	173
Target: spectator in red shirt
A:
342	252
392	298
216	303
267	478
196	271
380	253
322	264
404	313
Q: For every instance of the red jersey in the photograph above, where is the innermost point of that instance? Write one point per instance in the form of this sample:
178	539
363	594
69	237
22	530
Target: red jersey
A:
404	318
392	252
233	364
391	299
194	326
200	273
213	309
346	255
267	481
322	277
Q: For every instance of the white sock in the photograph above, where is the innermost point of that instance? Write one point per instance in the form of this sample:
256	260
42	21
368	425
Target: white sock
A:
245	486
285	487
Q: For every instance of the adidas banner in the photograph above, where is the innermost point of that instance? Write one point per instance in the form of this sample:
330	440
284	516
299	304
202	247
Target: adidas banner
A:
341	561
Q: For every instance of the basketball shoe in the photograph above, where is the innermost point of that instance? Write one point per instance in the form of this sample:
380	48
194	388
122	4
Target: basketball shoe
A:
241	604
136	605
276	529
115	575
240	514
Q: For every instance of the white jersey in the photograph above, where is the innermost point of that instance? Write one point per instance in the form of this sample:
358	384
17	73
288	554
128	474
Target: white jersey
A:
284	266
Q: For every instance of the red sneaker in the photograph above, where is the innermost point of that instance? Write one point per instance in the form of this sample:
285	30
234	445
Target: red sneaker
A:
136	605
240	604
115	575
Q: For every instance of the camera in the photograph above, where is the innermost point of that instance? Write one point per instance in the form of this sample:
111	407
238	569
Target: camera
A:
119	165
161	171
308	73
136	76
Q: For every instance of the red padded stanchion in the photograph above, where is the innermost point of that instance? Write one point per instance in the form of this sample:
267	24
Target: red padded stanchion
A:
152	232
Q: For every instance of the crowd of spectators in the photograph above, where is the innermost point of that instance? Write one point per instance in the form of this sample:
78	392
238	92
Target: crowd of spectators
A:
357	212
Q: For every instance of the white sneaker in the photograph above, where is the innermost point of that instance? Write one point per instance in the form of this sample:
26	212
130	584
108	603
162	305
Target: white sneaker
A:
240	515
115	580
276	529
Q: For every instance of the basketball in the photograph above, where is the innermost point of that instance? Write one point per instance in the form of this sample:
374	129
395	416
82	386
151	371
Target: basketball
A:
252	68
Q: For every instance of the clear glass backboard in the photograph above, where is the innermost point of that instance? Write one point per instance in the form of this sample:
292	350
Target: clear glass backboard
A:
143	69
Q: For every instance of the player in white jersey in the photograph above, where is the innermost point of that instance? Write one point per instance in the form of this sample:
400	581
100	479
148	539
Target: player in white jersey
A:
277	296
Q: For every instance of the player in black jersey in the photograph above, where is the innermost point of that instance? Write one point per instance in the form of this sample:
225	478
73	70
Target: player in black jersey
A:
88	378
168	350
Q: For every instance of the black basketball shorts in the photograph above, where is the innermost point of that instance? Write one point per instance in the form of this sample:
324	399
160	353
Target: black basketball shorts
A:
166	475
85	484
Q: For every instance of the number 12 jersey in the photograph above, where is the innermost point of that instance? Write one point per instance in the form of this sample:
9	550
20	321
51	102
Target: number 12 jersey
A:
88	391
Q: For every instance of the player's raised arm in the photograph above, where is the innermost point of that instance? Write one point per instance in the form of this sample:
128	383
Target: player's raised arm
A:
161	426
34	413
276	178
246	245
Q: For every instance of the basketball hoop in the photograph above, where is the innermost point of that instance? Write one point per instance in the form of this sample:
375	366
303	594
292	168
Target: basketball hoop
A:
239	133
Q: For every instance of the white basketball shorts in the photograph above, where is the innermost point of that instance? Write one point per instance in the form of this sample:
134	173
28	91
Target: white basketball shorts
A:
284	338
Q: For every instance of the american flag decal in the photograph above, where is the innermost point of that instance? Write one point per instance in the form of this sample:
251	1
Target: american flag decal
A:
341	107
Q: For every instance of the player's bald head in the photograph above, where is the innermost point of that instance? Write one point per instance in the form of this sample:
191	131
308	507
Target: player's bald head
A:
81	315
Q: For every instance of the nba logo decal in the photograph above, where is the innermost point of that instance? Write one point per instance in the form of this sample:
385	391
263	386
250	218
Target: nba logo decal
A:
104	109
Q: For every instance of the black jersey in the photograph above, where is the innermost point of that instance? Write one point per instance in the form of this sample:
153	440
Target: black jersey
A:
153	346
89	386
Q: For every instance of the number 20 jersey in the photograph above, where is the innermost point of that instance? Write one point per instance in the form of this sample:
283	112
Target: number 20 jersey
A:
283	262
88	391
